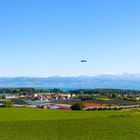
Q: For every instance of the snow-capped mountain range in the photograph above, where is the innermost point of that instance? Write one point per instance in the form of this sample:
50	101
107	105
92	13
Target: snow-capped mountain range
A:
121	81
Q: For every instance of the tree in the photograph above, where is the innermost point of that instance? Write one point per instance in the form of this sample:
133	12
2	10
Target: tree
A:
77	106
114	95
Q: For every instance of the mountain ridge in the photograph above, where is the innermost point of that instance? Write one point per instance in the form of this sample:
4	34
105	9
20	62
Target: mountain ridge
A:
123	81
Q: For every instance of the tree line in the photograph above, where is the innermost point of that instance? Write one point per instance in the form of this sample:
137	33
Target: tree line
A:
104	91
27	90
79	91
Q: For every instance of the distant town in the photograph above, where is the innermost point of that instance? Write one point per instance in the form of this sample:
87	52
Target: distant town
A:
91	99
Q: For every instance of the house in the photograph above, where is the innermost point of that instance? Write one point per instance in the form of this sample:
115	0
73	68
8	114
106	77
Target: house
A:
64	96
11	96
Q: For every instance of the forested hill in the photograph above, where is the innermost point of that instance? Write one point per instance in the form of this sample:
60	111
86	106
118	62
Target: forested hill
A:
126	81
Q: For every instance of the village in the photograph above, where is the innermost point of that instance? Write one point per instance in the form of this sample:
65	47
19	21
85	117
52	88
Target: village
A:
64	101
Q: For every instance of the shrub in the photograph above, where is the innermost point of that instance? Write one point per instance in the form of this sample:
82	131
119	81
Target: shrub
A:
109	108
77	106
94	108
115	108
104	108
100	108
8	104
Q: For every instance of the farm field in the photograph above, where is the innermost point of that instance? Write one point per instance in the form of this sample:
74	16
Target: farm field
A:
37	124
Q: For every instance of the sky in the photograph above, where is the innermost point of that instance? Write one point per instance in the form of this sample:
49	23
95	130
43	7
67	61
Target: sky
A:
43	38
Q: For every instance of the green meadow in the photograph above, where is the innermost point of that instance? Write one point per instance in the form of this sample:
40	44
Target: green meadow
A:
37	124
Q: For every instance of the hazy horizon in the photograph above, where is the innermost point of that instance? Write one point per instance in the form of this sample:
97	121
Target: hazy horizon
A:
101	74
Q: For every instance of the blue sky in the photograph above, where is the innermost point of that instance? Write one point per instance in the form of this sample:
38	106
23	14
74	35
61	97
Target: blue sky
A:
50	37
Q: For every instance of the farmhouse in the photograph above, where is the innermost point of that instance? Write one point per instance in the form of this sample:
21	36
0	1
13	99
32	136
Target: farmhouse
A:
64	96
10	96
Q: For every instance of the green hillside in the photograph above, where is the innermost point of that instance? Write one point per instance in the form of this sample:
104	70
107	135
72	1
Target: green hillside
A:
36	124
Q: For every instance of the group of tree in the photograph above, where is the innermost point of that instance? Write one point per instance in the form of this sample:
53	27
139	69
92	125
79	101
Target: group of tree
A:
112	92
27	90
17	90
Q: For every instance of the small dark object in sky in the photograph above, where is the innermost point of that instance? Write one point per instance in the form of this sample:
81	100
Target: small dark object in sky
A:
83	60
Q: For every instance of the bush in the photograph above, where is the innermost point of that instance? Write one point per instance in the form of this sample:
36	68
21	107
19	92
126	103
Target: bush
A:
109	108
8	104
77	106
115	108
100	108
94	109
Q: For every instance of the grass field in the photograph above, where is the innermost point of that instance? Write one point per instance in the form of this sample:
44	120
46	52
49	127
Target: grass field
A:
37	124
